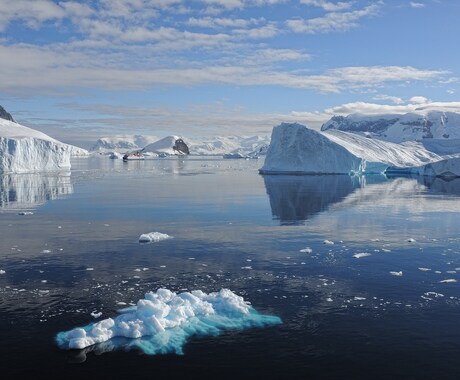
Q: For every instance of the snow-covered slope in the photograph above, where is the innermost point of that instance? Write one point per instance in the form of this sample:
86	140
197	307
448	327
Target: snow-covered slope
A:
122	143
439	130
167	145
298	149
25	150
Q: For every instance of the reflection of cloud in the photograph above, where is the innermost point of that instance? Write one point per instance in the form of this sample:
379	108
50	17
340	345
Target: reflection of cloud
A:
22	191
294	199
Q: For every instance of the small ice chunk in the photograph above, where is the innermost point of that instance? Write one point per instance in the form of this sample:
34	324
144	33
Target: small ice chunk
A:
2	271
46	251
411	240
26	213
361	254
359	298
449	280
306	250
95	314
89	269
329	299
152	237
399	274
424	269
329	242
248	267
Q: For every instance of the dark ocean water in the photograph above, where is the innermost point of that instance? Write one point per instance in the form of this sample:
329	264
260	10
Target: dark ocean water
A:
390	314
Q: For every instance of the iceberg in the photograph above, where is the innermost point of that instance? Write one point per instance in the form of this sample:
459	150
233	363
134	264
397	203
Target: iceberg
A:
296	149
170	145
153	237
163	321
25	150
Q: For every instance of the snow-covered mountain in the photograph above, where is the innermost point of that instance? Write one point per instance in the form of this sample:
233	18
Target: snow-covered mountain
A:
215	146
298	149
122	143
439	131
25	150
170	145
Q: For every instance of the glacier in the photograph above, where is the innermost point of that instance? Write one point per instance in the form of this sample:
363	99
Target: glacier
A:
296	149
163	321
25	150
438	130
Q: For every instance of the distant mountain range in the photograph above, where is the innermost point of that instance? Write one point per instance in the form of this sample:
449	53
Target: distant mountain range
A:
436	130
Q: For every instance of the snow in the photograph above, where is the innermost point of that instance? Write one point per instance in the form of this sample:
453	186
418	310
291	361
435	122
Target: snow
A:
437	128
163	321
122	143
165	145
296	149
153	237
25	150
252	146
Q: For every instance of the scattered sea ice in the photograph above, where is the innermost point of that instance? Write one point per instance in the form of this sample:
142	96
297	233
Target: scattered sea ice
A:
328	242
26	213
411	240
424	269
449	280
399	274
89	269
361	254
306	250
152	237
96	314
2	271
248	267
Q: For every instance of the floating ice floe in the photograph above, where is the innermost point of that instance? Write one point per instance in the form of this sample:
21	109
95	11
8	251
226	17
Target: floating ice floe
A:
2	271
152	237
306	250
399	274
361	255
329	242
95	314
163	321
25	213
411	240
449	280
424	269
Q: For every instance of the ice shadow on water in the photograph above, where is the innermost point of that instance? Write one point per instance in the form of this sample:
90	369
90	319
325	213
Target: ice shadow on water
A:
27	191
294	199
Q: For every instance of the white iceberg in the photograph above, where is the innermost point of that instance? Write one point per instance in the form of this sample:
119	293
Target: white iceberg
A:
25	150
296	149
163	321
153	237
170	145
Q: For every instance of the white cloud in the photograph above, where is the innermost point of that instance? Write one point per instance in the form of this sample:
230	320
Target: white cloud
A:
419	100
211	22
328	5
393	99
414	4
332	22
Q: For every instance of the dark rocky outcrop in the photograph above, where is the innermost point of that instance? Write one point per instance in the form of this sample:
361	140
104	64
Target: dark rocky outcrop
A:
181	146
4	114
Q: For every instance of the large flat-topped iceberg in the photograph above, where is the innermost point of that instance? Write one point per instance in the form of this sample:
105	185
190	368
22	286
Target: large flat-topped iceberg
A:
25	150
297	149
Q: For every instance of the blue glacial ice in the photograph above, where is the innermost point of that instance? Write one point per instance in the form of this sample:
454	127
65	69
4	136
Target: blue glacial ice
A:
163	321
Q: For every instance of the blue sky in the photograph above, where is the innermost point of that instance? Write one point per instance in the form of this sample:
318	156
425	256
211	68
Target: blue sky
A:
78	70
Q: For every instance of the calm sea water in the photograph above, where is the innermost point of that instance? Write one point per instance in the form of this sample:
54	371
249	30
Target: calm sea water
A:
392	312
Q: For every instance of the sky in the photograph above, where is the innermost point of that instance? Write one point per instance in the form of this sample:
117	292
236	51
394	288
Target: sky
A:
80	70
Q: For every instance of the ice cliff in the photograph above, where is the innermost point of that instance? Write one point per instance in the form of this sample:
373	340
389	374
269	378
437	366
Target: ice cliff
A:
25	150
296	149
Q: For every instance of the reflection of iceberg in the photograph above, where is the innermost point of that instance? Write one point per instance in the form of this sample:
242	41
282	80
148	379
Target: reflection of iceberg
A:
22	191
442	185
294	199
